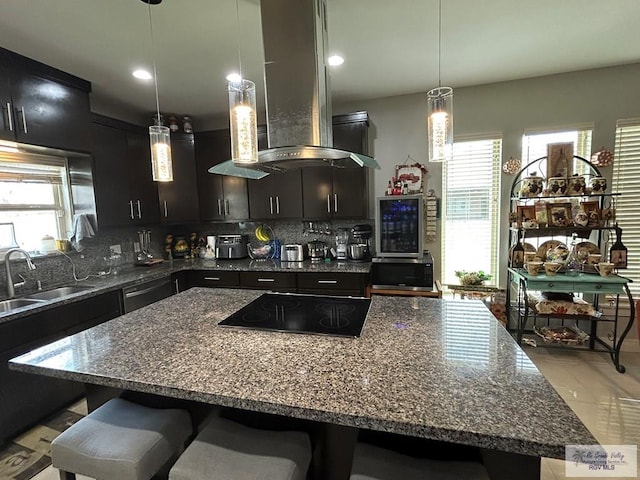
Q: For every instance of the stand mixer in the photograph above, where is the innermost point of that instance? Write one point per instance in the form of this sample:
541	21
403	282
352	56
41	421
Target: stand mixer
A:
359	249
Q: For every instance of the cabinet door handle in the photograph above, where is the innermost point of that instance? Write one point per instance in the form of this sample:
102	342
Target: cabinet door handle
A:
226	207
24	120
271	205
331	282
328	203
177	284
166	211
277	204
266	279
9	116
139	209
131	209
213	279
335	202
219	207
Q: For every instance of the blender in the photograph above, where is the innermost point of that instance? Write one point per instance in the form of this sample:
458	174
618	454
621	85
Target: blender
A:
342	239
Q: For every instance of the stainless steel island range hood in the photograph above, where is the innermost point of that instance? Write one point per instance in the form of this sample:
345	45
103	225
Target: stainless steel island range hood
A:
297	93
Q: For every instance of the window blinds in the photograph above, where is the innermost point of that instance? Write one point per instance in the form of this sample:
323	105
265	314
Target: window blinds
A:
626	182
471	203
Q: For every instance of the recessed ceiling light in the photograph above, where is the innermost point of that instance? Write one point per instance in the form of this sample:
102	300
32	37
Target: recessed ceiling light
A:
234	78
142	74
335	60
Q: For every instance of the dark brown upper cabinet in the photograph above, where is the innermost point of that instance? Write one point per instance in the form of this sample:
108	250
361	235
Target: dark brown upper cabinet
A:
43	106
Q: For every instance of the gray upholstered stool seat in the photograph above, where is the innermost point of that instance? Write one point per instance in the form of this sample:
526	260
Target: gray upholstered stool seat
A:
375	463
226	450
121	440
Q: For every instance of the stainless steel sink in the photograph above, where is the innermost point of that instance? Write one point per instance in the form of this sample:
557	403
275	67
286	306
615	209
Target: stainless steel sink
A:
57	292
13	303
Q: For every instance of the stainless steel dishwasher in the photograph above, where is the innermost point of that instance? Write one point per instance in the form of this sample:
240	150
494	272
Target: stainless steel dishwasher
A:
146	293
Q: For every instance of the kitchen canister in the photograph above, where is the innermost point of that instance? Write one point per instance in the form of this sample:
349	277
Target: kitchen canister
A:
598	185
576	185
557	186
531	186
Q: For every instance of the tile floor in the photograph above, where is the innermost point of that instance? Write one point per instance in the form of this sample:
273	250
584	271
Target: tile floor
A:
607	402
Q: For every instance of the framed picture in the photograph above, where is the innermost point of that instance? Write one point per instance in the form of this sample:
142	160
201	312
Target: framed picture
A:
559	214
559	160
525	213
413	176
593	213
541	213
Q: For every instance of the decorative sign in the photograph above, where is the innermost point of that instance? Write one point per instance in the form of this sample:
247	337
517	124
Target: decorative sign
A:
412	176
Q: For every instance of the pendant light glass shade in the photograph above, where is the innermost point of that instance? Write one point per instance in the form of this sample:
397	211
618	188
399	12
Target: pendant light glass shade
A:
440	123
243	122
161	164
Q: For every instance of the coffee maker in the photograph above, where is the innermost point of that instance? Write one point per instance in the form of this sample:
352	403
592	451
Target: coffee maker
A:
359	248
342	240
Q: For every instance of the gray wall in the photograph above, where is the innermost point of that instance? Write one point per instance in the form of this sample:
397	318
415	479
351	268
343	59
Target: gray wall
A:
599	96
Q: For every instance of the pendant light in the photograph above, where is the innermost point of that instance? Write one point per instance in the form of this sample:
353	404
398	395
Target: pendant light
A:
161	165
242	113
440	112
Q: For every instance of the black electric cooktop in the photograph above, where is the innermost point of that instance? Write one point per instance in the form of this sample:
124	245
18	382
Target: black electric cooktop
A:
289	312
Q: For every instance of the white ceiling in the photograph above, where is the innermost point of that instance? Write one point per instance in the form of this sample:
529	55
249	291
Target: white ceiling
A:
390	47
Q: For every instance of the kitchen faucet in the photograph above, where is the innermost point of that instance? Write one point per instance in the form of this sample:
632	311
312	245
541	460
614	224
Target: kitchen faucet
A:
7	264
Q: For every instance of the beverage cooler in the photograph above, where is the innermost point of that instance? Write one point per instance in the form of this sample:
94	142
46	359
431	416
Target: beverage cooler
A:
399	226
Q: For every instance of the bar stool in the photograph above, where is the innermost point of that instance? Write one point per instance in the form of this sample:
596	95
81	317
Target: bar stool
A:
121	440
228	450
375	463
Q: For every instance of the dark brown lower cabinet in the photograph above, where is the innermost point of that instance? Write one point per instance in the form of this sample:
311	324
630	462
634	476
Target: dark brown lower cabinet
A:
325	283
214	278
276	281
25	398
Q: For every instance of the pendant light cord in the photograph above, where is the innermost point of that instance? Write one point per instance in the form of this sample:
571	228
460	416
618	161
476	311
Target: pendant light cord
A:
238	37
439	40
153	61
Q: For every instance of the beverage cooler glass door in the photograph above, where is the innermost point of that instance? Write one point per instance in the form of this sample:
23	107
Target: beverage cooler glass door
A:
399	225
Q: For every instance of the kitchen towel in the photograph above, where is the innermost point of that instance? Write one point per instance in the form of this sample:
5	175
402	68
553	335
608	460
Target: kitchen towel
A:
82	229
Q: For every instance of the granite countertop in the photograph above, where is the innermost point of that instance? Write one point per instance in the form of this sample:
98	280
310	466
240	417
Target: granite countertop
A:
131	275
443	370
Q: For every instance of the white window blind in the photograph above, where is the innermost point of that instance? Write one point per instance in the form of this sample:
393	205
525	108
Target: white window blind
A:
471	208
626	181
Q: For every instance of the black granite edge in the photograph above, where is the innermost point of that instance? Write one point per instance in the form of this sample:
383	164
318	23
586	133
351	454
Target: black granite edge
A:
473	439
146	274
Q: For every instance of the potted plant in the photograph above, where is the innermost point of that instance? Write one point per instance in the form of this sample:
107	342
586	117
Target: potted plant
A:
472	278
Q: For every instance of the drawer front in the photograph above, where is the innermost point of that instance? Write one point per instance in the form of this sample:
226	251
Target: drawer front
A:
332	283
550	286
214	278
283	281
584	287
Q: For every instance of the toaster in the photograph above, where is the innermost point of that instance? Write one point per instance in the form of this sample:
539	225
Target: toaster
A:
291	252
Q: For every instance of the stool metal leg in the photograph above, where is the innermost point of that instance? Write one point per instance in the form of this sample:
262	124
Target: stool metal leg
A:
67	475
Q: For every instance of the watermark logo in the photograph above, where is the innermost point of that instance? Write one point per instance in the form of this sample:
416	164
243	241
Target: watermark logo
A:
601	461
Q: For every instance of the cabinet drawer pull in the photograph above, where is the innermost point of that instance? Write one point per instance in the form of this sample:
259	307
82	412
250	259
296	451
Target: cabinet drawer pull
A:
24	120
166	212
332	282
9	116
598	286
177	285
131	209
214	279
550	284
266	279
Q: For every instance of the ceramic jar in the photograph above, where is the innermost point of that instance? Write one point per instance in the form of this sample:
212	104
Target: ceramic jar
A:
576	185
557	186
531	186
598	185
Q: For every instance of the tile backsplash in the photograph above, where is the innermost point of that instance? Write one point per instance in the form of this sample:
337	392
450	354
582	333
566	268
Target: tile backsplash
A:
58	268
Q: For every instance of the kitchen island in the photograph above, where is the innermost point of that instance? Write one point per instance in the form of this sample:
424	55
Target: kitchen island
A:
423	367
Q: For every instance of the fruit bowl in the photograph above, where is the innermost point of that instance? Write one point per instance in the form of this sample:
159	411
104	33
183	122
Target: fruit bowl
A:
260	251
